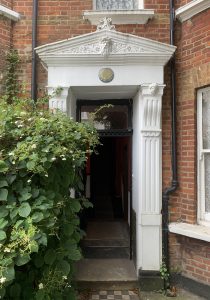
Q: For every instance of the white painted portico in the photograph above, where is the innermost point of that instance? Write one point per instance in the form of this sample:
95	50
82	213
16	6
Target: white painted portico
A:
138	66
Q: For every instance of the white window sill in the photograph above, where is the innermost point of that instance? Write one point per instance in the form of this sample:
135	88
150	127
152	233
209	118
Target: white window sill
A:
140	16
191	9
11	14
199	232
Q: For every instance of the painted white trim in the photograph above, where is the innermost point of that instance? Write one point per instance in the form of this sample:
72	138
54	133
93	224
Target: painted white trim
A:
140	16
191	9
11	14
203	217
194	231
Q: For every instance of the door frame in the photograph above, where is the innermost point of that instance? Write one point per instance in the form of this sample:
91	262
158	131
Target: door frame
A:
115	133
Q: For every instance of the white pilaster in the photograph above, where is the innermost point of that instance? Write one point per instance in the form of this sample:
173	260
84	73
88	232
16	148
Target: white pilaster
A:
150	172
58	100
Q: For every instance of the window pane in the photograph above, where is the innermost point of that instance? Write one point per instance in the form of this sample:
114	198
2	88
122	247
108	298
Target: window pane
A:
106	118
206	119
207	182
114	4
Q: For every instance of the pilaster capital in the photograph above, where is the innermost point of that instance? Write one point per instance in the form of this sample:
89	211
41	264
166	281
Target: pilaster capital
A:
152	89
58	98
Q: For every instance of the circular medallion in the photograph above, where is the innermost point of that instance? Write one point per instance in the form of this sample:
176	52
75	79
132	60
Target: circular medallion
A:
106	75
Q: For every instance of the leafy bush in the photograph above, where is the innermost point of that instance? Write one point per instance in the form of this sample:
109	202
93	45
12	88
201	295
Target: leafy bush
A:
41	159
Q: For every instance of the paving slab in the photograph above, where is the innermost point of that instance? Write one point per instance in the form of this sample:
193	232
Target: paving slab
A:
180	295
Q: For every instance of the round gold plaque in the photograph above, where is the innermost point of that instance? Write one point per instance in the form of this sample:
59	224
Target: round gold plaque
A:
106	75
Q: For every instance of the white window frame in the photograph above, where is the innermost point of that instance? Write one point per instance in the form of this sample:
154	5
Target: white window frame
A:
140	4
203	217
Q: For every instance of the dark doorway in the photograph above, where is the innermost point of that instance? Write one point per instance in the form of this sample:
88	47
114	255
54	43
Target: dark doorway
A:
110	179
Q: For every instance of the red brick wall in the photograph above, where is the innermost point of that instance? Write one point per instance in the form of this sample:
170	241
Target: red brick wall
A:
5	39
7	3
193	71
179	3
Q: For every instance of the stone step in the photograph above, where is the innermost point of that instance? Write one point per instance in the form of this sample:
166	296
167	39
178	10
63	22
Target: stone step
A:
105	243
106	252
107	274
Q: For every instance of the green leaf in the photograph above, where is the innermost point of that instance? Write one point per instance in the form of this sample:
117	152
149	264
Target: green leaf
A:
43	239
24	210
35	193
68	229
75	205
18	223
50	256
87	204
11	178
22	259
64	267
2	292
15	291
30	165
3	183
3	223
25	194
3	166
40	295
3	211
3	194
37	217
75	255
34	247
38	261
2	235
9	273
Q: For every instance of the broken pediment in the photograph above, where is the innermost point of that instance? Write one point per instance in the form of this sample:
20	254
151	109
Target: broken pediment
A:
105	44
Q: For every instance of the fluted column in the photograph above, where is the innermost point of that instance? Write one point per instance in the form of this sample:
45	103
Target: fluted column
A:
150	177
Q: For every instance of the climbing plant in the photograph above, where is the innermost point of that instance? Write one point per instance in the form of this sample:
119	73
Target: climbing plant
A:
42	155
12	87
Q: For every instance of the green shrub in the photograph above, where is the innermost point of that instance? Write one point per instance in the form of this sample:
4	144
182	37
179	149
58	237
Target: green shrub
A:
41	159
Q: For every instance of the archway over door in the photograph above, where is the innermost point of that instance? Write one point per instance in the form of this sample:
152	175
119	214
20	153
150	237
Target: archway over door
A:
107	64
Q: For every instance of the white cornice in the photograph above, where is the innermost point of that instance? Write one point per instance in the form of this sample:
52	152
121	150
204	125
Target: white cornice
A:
11	14
191	9
105	46
140	16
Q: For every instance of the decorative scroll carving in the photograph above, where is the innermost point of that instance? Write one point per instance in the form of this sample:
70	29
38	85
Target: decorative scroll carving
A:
114	4
105	47
105	23
153	88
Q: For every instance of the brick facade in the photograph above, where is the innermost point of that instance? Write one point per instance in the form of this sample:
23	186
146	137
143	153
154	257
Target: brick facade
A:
193	72
59	20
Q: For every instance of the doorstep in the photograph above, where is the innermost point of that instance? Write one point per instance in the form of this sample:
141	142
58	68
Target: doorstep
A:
106	274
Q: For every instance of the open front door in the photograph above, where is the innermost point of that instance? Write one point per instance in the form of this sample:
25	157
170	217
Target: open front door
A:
109	187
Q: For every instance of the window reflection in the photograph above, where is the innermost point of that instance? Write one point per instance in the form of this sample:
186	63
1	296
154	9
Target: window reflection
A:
106	117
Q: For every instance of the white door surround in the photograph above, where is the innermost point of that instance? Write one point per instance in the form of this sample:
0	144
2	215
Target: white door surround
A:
137	65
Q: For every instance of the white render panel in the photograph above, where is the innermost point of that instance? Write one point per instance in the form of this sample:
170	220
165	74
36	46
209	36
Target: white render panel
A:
88	76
